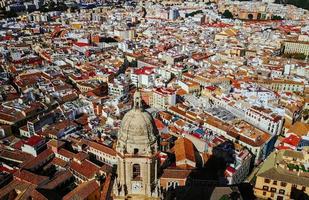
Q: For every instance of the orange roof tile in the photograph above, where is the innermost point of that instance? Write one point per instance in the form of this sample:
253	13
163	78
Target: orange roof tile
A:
184	149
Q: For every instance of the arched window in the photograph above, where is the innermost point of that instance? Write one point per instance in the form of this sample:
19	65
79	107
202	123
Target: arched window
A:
136	171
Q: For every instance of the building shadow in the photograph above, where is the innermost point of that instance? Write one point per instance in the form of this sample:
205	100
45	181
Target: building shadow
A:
298	194
202	182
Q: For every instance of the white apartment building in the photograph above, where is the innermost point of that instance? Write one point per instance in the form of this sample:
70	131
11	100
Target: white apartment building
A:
118	87
143	76
103	153
163	97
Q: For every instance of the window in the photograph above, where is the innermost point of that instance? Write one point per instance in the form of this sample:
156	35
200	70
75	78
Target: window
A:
136	170
135	151
273	189
281	191
172	184
264	193
275	182
303	188
265	187
283	184
266	180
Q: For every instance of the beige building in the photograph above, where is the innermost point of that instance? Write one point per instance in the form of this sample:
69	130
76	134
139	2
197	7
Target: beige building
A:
291	47
229	34
282	174
163	97
283	85
137	155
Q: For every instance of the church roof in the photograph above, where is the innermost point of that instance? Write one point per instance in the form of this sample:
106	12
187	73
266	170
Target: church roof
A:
184	149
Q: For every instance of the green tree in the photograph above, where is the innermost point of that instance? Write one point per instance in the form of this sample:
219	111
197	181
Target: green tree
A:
276	17
227	14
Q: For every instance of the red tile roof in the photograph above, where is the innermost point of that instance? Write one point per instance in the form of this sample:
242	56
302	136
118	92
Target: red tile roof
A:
15	155
81	44
86	168
58	162
83	191
144	71
30	177
230	169
159	124
58	179
292	140
184	149
65	153
102	148
175	173
43	157
33	140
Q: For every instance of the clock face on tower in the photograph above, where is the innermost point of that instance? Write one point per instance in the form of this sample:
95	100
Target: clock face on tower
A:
136	186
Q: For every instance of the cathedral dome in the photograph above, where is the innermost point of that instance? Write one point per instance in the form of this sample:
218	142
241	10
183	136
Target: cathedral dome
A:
137	126
137	130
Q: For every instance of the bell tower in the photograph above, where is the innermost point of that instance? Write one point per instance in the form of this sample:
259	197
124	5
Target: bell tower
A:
137	155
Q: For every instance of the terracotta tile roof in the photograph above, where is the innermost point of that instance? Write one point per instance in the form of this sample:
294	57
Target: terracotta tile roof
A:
184	149
106	187
43	157
30	177
299	129
181	92
165	115
85	168
81	156
180	122
57	180
82	191
10	115
55	143
37	195
14	185
102	148
56	128
185	114
159	124
33	140
65	153
264	138
59	162
15	155
83	120
165	136
18	144
292	140
175	173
